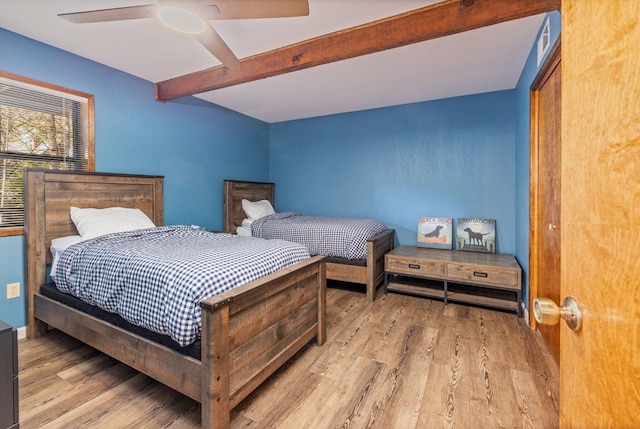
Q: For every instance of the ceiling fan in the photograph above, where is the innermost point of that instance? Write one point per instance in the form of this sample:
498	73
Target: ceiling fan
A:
192	17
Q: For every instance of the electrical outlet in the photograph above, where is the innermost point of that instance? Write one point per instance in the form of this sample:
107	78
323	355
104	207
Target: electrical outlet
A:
13	290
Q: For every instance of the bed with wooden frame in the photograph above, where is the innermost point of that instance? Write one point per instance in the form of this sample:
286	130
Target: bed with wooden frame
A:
370	274
247	332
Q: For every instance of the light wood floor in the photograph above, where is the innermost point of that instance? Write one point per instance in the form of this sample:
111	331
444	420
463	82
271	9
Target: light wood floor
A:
399	362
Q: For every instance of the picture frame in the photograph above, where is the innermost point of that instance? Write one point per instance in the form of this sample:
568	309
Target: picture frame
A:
476	235
435	232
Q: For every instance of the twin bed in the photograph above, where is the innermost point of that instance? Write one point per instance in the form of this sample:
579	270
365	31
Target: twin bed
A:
247	332
244	333
367	269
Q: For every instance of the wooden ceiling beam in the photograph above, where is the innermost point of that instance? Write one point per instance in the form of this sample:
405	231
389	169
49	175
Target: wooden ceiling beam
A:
430	22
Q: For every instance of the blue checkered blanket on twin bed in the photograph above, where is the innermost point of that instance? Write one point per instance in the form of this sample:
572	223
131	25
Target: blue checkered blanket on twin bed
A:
157	277
338	237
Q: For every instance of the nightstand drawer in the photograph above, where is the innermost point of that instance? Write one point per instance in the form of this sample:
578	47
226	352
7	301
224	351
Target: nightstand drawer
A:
483	275
414	267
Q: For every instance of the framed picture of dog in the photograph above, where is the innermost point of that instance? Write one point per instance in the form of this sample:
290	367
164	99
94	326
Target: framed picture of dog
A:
435	232
476	235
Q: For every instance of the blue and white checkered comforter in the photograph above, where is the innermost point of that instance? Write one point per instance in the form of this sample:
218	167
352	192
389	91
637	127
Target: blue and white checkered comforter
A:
338	237
157	277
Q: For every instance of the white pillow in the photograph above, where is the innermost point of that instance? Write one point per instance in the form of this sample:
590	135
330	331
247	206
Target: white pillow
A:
243	232
258	209
59	244
57	247
92	223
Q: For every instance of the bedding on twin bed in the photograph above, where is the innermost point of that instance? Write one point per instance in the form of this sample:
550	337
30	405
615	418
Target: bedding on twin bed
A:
336	237
156	277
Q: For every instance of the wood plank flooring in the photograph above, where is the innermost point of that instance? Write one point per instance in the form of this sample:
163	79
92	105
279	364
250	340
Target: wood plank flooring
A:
399	362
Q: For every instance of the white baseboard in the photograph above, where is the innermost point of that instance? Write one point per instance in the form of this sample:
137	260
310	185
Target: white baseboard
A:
525	313
22	333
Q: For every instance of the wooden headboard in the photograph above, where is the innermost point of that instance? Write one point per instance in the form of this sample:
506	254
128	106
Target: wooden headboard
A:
235	191
48	196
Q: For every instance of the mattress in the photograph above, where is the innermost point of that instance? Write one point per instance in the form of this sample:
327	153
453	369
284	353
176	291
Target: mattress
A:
155	278
334	237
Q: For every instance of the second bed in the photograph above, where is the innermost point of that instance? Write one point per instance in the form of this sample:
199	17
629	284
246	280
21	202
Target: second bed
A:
367	269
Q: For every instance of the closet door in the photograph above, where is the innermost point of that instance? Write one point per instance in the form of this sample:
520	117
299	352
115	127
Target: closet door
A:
546	149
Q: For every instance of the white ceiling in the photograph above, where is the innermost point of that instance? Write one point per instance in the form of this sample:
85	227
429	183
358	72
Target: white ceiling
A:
488	59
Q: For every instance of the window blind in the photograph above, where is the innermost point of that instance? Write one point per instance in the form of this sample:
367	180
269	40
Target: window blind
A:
41	126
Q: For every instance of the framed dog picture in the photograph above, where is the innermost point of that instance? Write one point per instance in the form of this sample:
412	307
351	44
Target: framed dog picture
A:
435	232
476	235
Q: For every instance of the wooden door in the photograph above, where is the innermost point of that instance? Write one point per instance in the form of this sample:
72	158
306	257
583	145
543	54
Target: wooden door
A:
600	364
545	189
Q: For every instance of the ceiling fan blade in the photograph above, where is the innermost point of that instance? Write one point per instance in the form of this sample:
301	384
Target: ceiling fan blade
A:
252	9
211	40
117	14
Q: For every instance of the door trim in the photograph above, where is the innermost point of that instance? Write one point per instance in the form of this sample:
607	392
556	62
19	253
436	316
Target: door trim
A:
551	62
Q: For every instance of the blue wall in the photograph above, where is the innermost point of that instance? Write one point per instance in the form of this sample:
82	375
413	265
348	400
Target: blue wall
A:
446	158
523	151
194	144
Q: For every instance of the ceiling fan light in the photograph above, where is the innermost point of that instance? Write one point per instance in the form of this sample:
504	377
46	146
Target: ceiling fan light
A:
181	19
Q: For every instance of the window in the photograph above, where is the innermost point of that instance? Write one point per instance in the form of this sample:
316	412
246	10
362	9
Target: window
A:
41	126
544	41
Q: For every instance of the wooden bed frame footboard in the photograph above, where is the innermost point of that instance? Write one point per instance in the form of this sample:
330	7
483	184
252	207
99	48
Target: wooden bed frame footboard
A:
247	333
371	275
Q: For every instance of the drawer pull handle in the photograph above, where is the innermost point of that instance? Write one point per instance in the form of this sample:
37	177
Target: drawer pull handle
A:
414	266
479	274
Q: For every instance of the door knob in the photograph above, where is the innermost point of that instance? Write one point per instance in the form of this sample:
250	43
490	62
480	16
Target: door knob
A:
553	226
547	312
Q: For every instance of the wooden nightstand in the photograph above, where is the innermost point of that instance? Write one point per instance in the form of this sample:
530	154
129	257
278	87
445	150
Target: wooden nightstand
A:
488	279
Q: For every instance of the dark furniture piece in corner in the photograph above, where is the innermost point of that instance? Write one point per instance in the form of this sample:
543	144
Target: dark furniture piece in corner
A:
8	377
